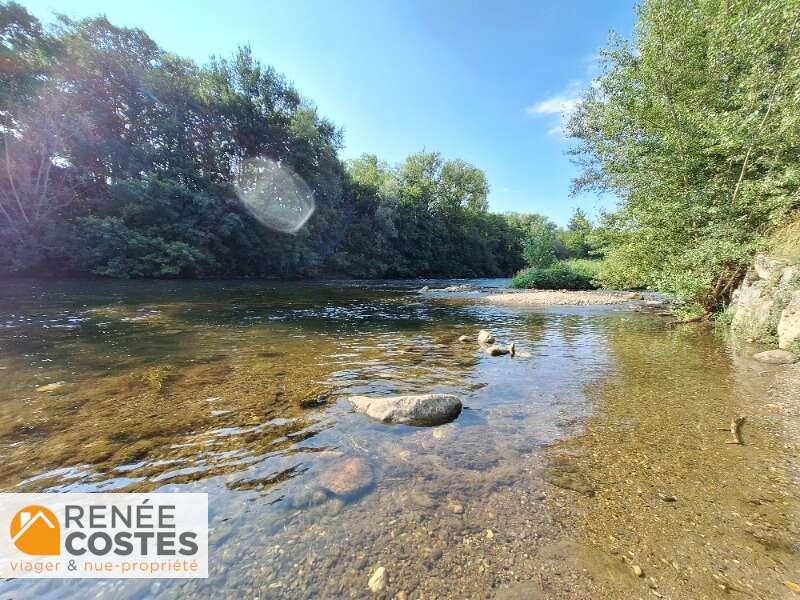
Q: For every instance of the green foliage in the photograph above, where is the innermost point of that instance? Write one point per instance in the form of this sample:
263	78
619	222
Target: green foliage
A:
563	275
694	127
121	157
575	238
588	267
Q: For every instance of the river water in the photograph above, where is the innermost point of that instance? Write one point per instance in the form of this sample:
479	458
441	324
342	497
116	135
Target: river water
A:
591	457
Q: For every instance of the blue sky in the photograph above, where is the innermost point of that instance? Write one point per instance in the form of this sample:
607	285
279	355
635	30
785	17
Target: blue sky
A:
483	81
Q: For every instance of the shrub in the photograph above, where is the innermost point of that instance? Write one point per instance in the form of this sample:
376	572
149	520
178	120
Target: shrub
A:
560	276
585	266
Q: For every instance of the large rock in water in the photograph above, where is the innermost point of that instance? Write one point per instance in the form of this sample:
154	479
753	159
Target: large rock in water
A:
423	409
776	357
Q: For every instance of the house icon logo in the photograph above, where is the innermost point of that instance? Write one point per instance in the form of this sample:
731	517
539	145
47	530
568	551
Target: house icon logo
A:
35	530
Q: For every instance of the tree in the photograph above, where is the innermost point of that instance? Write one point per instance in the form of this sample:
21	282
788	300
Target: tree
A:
575	238
121	159
693	127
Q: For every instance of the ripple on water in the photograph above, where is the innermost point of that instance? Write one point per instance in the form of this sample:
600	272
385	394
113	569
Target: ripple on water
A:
239	389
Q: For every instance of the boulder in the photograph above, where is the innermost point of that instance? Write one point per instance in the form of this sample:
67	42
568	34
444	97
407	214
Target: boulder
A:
751	307
789	323
464	338
789	273
346	478
422	409
765	266
776	357
485	337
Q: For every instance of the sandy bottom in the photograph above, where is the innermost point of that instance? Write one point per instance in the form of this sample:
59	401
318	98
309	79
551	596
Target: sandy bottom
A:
545	297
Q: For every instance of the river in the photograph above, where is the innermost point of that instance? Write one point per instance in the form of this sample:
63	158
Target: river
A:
590	465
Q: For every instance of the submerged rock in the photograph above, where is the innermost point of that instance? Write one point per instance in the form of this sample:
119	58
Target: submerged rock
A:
347	478
562	473
50	387
520	590
378	580
485	337
422	499
496	350
464	338
457	288
424	289
776	357
308	497
423	409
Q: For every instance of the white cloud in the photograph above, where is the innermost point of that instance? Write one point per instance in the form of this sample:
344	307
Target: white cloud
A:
557	105
563	105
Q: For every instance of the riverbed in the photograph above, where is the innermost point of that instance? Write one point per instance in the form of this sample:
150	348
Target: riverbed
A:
589	465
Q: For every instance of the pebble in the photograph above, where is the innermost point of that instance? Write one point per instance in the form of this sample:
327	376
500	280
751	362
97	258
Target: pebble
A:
456	508
377	582
489	534
50	387
637	570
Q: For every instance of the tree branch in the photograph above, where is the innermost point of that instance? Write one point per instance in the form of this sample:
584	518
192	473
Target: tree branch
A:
11	181
763	123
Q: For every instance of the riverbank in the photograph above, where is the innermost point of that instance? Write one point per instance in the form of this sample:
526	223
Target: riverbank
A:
561	297
678	511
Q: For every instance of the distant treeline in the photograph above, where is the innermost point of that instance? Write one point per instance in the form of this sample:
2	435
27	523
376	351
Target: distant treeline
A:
118	159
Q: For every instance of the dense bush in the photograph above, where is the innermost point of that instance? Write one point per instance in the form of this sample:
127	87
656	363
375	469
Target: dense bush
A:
694	126
564	275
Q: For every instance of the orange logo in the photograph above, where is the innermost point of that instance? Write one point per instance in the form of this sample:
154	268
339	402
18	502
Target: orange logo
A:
35	530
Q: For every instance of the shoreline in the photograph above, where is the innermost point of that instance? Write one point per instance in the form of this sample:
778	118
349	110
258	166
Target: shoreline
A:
561	297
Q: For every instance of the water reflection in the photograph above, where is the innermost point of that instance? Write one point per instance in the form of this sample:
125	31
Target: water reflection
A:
238	389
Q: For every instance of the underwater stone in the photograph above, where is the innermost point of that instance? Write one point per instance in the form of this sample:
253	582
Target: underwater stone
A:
776	357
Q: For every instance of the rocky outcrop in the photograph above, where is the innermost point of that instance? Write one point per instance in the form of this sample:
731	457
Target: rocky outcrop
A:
766	306
423	409
789	322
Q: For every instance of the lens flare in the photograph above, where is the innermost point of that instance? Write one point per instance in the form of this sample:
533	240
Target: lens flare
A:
274	194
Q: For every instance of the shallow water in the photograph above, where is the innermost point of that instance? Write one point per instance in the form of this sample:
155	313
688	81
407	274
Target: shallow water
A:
550	476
